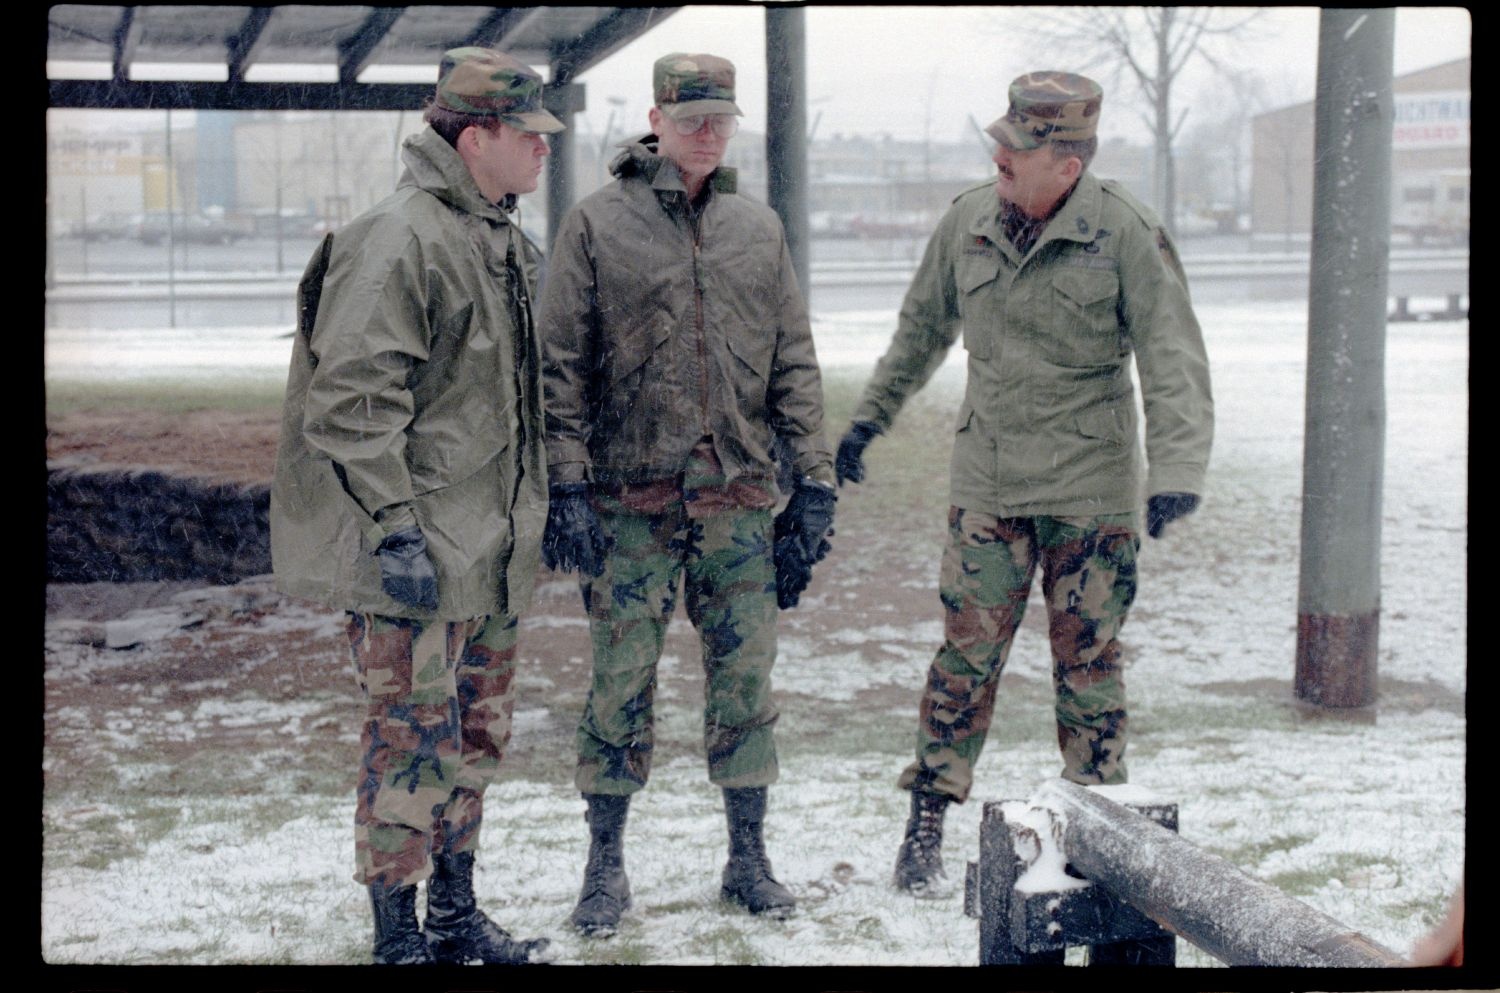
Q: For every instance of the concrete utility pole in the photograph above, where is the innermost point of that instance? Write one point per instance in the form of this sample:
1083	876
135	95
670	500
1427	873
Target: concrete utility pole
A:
1338	598
786	129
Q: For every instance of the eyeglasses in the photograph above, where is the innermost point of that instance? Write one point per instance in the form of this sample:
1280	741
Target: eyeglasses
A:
724	125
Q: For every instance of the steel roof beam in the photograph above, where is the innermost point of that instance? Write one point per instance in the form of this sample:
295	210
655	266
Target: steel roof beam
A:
501	24
246	45
355	51
127	40
176	95
604	39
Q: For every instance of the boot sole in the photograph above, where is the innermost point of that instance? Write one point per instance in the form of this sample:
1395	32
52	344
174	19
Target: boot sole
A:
597	930
935	889
601	930
779	912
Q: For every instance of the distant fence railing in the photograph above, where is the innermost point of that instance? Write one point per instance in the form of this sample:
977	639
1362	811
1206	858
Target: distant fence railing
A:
1128	886
1412	273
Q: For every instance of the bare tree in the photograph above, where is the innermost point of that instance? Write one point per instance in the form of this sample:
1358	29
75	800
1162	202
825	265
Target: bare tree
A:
1219	147
1152	45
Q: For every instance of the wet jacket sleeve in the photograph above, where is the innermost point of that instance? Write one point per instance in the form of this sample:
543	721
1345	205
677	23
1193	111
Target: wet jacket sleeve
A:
372	331
568	323
795	394
1171	361
926	328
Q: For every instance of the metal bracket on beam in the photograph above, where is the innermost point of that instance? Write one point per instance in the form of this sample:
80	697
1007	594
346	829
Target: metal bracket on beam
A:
1035	928
564	98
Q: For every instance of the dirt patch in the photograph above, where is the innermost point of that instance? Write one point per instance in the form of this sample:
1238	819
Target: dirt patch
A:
293	653
216	444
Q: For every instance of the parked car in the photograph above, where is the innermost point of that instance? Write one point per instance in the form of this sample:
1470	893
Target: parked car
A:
107	227
193	228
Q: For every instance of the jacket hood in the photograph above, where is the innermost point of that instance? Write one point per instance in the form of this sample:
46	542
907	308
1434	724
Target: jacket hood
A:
432	165
640	158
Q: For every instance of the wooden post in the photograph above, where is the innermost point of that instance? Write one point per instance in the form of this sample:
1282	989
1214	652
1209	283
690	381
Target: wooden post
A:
999	868
1232	916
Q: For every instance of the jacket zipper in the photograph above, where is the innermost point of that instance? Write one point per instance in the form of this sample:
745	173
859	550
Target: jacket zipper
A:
702	344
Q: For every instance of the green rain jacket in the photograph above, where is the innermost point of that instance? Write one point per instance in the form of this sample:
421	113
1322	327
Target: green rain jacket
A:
1048	424
661	329
414	395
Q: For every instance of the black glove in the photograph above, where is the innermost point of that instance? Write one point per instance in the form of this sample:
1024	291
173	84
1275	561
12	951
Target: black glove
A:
406	570
801	539
1164	508
573	539
850	462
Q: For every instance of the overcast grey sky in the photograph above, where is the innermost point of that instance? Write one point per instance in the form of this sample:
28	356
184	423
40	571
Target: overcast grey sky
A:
905	70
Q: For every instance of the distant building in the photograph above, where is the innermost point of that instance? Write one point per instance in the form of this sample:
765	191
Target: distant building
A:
1429	161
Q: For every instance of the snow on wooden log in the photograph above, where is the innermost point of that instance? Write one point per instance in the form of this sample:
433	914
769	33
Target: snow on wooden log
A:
1234	917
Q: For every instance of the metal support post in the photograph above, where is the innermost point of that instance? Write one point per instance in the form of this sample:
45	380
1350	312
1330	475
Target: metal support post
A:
786	129
564	99
1338	597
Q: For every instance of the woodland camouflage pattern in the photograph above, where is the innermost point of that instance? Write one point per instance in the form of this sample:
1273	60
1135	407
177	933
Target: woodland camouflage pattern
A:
1049	106
685	85
489	83
1089	582
723	563
440	699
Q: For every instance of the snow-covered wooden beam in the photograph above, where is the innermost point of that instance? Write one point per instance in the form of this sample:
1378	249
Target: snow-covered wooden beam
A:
1031	908
1234	917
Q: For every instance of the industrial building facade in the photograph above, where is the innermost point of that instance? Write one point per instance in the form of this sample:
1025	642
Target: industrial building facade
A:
1429	163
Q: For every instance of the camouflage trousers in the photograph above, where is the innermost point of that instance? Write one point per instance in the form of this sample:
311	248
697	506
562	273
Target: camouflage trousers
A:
439	700
1088	583
723	563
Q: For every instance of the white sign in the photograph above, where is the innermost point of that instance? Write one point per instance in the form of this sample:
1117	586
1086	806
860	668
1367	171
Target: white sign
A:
1436	119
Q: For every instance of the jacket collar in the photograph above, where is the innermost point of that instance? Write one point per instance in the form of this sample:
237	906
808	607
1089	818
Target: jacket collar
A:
433	166
640	158
1076	220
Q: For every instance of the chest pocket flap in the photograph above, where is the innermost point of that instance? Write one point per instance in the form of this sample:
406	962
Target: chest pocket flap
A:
1086	319
979	299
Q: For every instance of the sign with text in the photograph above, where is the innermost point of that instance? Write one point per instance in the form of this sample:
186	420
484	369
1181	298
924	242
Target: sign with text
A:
1436	119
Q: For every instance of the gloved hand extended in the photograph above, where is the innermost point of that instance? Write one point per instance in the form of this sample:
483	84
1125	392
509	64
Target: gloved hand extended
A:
1164	508
801	538
406	570
573	539
850	462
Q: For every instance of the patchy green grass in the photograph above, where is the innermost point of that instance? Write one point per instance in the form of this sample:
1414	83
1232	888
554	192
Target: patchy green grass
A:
1255	851
172	396
1355	867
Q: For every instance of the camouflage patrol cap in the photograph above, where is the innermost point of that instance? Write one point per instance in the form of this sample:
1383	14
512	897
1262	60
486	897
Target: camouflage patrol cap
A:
489	83
694	84
1049	106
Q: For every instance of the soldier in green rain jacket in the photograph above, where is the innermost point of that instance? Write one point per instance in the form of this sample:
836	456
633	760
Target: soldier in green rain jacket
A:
1055	281
411	490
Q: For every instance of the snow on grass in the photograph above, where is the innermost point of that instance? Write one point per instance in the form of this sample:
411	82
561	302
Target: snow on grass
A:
1363	819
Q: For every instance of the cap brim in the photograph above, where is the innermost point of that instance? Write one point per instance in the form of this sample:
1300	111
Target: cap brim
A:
1011	136
694	107
535	122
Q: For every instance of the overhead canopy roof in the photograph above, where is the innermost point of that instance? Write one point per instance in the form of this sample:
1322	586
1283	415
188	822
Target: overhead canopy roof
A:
347	40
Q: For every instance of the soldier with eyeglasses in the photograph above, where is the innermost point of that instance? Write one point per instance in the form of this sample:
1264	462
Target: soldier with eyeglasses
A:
678	357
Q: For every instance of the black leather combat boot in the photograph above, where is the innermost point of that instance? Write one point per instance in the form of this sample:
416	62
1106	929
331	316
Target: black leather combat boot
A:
919	863
747	875
398	940
458	932
606	890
